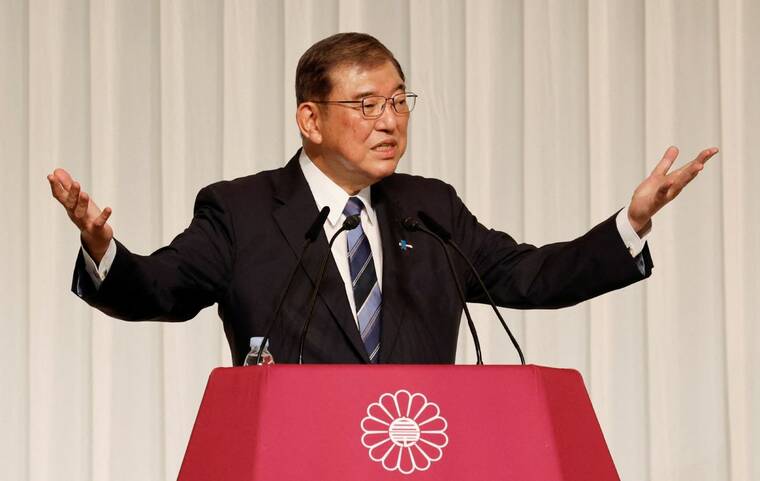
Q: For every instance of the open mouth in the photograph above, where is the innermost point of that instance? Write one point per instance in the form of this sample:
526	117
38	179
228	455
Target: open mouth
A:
388	146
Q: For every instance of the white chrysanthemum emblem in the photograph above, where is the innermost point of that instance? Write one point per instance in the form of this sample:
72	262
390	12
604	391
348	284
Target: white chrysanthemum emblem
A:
404	432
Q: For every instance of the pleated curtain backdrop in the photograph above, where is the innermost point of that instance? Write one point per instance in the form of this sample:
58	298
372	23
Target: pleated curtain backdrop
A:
545	115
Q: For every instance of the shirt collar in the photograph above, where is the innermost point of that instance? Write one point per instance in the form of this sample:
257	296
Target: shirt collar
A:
328	193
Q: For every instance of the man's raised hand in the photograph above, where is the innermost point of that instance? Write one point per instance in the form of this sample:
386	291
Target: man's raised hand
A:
84	213
661	187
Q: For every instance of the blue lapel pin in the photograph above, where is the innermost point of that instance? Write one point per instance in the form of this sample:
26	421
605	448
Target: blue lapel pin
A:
404	245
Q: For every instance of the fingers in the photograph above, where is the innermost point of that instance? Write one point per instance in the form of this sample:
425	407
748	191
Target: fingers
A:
63	177
60	186
82	211
666	162
699	162
73	197
689	172
83	201
57	189
103	217
705	155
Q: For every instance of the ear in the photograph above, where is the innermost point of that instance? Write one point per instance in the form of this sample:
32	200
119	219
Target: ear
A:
308	120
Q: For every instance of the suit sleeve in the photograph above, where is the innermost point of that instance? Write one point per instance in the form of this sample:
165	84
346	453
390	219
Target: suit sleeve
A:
176	281
552	276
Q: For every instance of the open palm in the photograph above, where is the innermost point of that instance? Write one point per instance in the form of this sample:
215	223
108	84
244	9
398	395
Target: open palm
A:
84	213
661	187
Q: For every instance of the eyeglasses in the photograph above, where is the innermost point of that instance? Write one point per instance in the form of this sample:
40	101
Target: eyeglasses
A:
373	106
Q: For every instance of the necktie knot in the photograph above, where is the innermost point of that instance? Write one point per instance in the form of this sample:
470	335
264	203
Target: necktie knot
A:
353	207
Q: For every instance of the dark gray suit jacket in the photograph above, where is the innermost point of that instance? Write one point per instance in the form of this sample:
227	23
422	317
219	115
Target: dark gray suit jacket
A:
245	237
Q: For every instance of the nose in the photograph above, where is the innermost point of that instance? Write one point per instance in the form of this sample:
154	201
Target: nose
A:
388	120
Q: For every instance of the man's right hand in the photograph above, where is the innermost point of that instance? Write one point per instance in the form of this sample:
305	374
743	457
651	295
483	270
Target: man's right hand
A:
91	221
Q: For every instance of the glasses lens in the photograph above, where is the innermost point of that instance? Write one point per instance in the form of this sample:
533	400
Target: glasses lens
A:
404	103
373	106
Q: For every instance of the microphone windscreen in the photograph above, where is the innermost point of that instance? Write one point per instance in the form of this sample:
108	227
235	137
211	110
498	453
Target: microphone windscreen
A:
434	226
316	227
351	222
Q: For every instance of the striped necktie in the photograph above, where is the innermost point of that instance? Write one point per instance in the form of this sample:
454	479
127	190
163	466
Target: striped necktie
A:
364	281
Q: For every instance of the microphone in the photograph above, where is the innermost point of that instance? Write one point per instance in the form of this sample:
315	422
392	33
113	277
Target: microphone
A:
411	225
316	227
311	235
446	237
351	222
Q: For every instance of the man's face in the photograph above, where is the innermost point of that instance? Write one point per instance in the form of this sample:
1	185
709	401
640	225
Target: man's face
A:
357	151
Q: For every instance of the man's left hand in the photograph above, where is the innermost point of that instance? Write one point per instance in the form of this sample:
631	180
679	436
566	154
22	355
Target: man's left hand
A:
661	187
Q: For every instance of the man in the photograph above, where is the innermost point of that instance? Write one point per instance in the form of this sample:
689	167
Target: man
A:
379	302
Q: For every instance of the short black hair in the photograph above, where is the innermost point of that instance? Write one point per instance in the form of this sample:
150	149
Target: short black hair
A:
352	48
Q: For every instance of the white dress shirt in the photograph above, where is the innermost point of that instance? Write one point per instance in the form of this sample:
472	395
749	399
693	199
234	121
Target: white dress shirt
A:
327	193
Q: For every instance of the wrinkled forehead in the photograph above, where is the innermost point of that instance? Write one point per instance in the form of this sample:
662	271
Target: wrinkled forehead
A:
354	80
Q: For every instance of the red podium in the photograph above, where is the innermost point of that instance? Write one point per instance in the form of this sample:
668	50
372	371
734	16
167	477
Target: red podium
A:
353	422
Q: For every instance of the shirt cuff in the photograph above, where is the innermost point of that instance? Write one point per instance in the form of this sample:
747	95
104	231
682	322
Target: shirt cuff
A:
97	272
631	239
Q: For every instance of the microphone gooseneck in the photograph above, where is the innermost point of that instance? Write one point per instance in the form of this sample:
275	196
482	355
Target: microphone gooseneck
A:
350	223
311	235
411	224
444	234
434	226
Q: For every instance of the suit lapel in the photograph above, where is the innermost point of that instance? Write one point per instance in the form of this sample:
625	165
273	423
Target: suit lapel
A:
294	216
389	217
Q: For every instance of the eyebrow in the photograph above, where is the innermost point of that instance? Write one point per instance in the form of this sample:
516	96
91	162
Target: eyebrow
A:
361	95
